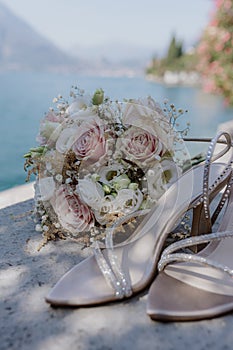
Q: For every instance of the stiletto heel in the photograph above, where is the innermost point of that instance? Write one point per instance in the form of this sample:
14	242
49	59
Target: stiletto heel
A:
115	273
201	224
197	286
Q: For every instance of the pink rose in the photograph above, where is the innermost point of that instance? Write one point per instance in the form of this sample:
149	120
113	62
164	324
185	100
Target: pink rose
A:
151	121
86	140
90	142
73	215
140	146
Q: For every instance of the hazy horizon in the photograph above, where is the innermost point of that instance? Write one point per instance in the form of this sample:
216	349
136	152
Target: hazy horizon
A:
121	30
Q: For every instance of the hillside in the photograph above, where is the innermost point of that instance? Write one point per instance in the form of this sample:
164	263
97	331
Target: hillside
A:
21	47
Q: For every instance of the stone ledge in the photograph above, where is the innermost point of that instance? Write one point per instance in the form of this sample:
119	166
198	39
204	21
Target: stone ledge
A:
27	322
16	194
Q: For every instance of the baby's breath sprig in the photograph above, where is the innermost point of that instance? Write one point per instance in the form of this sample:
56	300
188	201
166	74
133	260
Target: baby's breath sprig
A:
61	104
76	91
173	115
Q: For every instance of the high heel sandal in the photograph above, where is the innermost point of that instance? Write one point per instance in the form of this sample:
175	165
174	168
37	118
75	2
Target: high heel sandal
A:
115	273
197	286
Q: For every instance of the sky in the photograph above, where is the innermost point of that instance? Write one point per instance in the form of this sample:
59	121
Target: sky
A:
89	23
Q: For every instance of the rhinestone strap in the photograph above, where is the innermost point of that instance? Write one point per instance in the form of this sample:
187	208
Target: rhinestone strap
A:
210	157
207	190
182	257
168	256
111	270
107	271
118	271
223	199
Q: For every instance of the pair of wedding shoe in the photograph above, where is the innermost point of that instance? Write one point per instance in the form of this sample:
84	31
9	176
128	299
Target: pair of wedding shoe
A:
184	286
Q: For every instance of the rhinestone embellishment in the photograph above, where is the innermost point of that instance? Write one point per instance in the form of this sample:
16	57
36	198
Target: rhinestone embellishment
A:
169	256
109	265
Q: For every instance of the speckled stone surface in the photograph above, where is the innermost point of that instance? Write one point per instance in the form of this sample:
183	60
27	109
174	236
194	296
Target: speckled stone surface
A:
28	322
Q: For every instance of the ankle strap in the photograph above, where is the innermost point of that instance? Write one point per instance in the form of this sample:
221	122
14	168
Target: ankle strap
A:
168	256
220	138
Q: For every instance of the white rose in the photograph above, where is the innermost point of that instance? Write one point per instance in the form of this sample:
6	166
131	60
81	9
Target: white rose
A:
90	192
128	201
79	110
65	140
80	102
108	173
84	114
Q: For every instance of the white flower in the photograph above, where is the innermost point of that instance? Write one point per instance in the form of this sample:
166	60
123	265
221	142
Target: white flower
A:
151	172
171	171
121	182
38	228
90	193
108	173
59	177
50	130
46	188
84	114
80	102
65	140
161	177
126	202
155	183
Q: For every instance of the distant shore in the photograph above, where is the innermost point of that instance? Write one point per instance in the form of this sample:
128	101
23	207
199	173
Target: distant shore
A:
174	78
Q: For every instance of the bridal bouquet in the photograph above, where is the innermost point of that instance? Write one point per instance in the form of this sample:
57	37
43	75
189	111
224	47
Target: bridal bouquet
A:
100	160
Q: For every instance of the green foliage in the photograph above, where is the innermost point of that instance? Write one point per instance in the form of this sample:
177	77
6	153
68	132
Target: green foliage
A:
175	60
215	52
175	50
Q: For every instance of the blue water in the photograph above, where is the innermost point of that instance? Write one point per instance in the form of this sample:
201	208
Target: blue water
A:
25	97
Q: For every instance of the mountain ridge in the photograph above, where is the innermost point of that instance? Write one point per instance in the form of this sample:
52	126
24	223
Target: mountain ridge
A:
21	47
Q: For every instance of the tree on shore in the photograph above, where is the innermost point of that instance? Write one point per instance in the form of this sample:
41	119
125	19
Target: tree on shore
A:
175	50
175	60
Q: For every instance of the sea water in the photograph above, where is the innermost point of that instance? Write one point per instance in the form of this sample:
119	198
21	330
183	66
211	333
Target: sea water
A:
26	96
